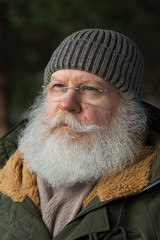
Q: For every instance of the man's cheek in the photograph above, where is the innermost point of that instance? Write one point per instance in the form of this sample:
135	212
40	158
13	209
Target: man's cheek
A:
51	109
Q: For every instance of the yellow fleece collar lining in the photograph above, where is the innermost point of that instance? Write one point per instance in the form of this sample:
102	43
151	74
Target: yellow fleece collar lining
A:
130	180
16	181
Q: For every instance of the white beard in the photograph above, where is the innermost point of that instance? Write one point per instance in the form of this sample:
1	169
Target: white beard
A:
84	152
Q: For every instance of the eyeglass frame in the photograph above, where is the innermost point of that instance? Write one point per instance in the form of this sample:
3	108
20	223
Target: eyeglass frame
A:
65	88
78	89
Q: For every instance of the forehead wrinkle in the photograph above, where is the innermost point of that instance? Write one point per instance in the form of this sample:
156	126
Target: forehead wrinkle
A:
78	79
81	79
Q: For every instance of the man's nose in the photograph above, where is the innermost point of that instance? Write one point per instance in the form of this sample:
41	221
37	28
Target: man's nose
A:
70	101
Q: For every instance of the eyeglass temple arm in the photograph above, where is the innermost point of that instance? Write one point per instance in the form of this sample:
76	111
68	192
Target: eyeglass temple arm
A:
106	90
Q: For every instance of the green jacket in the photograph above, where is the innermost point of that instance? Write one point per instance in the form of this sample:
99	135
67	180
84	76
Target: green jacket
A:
135	216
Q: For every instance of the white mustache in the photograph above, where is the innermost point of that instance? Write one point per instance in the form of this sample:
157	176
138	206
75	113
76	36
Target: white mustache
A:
70	120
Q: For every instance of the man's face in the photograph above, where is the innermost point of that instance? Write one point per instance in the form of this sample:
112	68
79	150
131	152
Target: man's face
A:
70	136
93	112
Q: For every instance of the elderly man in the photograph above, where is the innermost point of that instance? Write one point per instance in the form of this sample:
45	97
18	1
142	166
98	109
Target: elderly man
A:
85	164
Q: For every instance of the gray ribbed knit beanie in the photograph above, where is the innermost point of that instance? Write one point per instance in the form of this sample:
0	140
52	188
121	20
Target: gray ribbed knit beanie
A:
107	54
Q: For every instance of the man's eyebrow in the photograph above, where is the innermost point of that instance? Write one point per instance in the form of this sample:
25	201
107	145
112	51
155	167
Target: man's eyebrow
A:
95	82
91	80
57	79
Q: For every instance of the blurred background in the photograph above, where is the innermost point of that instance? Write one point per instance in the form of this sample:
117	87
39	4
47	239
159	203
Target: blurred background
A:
31	30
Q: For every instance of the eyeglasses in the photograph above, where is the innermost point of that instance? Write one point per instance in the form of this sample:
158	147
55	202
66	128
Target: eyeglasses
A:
86	94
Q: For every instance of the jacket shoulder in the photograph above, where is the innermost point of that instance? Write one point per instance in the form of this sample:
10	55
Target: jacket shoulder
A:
8	143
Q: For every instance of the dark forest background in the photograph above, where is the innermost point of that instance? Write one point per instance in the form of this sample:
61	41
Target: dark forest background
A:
31	30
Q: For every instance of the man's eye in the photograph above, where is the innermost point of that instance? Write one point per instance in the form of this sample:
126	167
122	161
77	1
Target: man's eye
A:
57	86
91	89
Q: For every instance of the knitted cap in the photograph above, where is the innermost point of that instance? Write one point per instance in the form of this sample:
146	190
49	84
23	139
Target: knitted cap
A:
107	54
